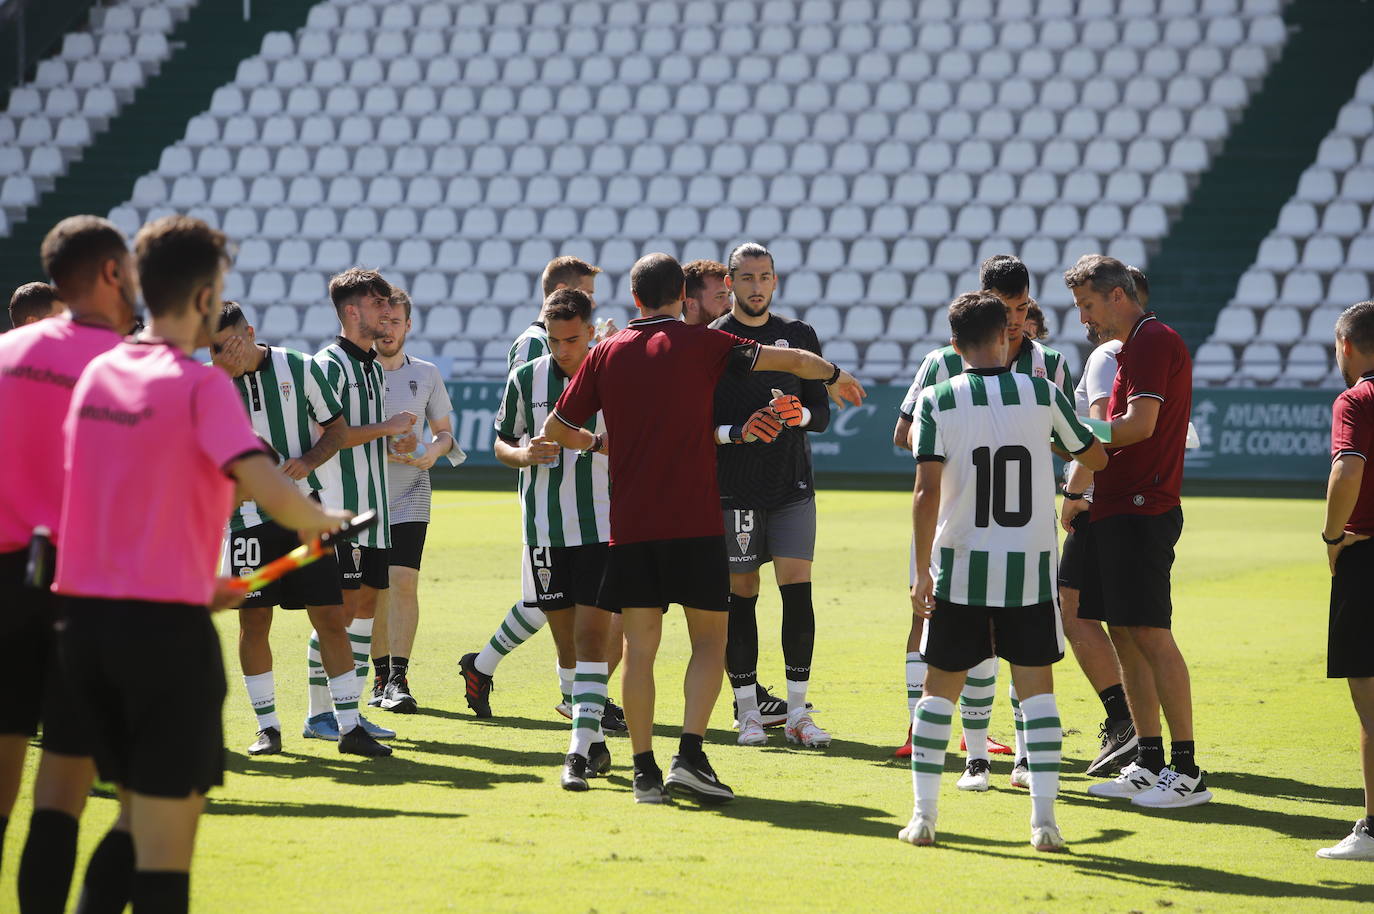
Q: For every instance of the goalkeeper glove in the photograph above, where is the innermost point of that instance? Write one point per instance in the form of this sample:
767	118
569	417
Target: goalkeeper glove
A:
762	426
787	407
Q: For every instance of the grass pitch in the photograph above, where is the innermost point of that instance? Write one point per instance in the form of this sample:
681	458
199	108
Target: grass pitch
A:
468	815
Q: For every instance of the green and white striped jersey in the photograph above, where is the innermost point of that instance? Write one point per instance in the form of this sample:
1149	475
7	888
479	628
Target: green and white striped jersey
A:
287	399
567	503
996	541
356	378
532	343
1034	359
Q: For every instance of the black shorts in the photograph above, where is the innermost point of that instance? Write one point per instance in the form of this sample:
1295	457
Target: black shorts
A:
1126	569
317	584
359	565
408	543
959	637
1074	554
1350	638
156	727
691	572
30	638
560	577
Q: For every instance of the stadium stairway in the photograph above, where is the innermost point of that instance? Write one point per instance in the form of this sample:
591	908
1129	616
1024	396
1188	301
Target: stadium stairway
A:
1237	201
207	49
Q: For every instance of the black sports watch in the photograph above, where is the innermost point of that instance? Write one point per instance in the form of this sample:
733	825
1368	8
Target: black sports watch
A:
834	377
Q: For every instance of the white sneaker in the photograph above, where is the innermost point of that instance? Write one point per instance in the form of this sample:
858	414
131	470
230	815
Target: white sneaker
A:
1047	838
751	732
1020	775
565	709
1174	790
1132	780
801	729
976	775
1358	845
920	831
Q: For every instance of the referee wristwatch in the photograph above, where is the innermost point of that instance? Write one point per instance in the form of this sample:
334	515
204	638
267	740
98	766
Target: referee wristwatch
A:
835	376
1073	496
1335	542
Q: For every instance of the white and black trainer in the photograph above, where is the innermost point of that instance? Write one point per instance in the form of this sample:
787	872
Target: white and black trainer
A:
1174	790
1131	781
695	779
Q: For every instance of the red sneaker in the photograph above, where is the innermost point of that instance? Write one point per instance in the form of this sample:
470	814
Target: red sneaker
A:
994	747
904	750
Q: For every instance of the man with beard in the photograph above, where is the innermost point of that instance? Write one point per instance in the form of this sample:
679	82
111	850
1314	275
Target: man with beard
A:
768	500
706	296
413	387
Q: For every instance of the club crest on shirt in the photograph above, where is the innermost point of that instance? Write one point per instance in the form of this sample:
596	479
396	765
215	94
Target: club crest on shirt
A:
414	388
545	576
781	344
743	540
285	390
1039	372
357	556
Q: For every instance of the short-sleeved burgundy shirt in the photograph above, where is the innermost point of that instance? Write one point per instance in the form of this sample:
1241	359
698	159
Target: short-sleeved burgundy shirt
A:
1147	477
1352	432
655	383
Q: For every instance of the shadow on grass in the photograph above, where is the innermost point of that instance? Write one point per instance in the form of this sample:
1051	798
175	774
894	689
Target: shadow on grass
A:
395	770
1164	875
220	807
804	815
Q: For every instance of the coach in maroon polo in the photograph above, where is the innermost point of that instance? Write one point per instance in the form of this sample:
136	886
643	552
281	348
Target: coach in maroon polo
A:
654	383
1136	521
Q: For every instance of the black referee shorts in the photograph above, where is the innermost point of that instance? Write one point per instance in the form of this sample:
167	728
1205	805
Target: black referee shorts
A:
156	728
1074	554
1127	567
28	632
1350	633
691	572
317	584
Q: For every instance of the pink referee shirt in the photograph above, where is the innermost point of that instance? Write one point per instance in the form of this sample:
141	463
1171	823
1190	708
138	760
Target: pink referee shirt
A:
149	435
39	365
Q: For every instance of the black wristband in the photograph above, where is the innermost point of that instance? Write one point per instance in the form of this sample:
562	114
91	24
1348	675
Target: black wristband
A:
1334	542
737	434
598	442
834	377
1072	496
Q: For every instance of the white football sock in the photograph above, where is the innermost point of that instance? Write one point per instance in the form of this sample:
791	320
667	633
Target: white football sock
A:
975	707
519	626
589	691
360	638
320	702
262	693
915	681
929	741
1044	743
345	690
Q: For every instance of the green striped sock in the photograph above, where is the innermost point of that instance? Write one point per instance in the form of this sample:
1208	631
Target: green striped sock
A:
262	694
589	690
519	625
318	682
1018	718
1044	748
975	707
915	681
345	689
929	740
565	683
360	638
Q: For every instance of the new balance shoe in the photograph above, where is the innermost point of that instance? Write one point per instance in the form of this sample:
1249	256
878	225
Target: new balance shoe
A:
564	708
574	773
1132	780
994	747
359	742
1020	775
1358	845
267	743
694	778
1174	790
321	726
1047	838
1119	742
613	719
598	759
649	787
397	697
751	732
920	831
976	776
477	686
802	730
375	731
904	750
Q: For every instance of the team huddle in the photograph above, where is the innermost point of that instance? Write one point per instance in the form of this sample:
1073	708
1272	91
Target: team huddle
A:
219	469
